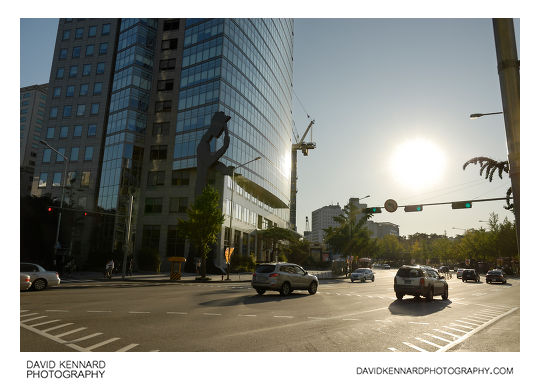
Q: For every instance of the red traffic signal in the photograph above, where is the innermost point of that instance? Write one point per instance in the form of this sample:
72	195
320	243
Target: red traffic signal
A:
49	209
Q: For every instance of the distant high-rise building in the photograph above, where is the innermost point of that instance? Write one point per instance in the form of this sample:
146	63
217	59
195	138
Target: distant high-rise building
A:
129	100
322	219
33	107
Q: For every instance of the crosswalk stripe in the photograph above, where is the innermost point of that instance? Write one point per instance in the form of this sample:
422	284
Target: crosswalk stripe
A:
439	338
414	347
428	342
457	330
69	332
127	347
462	326
393	349
450	334
29	314
31	319
469	323
85	337
57	327
44	323
102	343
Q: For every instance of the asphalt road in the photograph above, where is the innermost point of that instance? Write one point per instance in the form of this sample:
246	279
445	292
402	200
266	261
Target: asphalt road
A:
342	316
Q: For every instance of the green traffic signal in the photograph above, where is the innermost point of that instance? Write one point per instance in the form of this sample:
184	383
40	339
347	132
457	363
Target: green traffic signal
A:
462	205
372	210
412	208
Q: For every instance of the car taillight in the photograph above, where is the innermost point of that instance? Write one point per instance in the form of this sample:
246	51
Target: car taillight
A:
421	281
273	275
254	274
27	279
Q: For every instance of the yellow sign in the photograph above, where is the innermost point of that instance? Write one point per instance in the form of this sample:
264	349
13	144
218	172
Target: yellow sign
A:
228	253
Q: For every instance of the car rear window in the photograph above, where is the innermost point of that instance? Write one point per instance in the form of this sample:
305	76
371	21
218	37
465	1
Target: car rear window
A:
409	273
265	268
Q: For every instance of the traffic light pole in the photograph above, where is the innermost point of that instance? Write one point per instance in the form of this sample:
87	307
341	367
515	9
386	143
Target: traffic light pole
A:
126	246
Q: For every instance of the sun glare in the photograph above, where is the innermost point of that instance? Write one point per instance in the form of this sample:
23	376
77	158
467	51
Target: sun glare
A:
417	164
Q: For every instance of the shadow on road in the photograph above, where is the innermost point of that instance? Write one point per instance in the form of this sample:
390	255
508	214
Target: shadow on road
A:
253	299
417	307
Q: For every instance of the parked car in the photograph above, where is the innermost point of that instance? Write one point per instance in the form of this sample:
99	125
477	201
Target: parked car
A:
386	266
495	275
362	274
25	282
470	275
459	272
283	277
419	281
40	277
444	269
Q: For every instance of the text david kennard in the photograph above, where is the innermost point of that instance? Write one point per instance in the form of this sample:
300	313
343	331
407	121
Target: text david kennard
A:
65	369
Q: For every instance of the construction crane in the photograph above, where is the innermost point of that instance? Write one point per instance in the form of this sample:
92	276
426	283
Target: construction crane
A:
304	147
308	228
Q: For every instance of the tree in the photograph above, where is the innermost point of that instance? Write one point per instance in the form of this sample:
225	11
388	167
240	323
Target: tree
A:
298	252
277	234
203	224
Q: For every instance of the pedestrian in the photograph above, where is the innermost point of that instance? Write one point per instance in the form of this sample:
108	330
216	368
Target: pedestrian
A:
198	266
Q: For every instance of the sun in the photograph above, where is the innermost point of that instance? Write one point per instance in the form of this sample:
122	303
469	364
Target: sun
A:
417	164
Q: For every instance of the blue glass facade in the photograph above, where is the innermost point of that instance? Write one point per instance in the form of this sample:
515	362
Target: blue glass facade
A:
244	68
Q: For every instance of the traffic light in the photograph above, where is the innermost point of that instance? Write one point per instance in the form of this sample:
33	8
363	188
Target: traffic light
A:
413	208
462	205
372	210
49	209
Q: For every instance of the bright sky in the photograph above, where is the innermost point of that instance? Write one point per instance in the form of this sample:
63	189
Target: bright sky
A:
391	99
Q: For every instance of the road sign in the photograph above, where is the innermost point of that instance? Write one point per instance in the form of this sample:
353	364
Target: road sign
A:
390	205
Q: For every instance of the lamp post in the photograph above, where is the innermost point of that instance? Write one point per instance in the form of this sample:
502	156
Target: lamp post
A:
479	115
66	162
231	234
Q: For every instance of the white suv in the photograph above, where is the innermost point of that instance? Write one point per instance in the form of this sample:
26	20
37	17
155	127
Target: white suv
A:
419	281
362	274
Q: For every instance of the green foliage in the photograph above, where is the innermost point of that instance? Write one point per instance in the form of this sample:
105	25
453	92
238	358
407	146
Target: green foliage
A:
203	224
298	252
243	262
149	260
279	237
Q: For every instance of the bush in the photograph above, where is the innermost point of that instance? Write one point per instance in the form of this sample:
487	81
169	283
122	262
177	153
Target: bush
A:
243	262
149	259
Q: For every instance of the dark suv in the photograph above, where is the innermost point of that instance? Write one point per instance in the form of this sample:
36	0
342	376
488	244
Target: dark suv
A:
470	275
495	275
419	281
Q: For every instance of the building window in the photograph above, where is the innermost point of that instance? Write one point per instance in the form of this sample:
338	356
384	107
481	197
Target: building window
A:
175	243
60	73
167	64
83	91
161	128
57	92
89	50
88	153
53	113
94	109
85	179
79	33
67	111
169	44
100	69
57	179
153	205
156	178
65	34
91	130
165	85
158	152
73	71
50	132
87	68
42	180
180	178
105	29
103	48
81	109
46	155
178	205
74	154
92	30
63	53
150	237
98	88
171	25
70	91
77	131
163	106
60	155
64	131
76	53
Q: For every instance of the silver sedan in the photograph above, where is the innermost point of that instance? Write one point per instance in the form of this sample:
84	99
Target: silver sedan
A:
40	277
25	282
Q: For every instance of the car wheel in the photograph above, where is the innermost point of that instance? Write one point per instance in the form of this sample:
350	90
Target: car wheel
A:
352	280
260	291
285	289
399	296
445	294
504	283
429	296
312	288
39	284
373	279
363	280
463	280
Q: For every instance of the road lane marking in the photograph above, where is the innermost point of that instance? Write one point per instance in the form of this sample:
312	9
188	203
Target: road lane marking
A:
211	314
457	330
102	343
414	347
469	323
393	349
176	312
464	337
127	347
58	311
419	323
23	311
247	315
283	316
428	342
461	326
138	312
350	319
31	319
57	327
318	318
26	315
480	318
69	332
450	334
85	337
99	311
44	323
439	338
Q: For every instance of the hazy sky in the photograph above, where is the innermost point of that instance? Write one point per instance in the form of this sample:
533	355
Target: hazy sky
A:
372	85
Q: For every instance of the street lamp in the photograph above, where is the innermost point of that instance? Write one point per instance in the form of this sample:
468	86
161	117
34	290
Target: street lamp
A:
66	162
231	234
479	115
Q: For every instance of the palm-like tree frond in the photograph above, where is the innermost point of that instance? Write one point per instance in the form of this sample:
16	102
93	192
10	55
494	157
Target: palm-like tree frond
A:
489	166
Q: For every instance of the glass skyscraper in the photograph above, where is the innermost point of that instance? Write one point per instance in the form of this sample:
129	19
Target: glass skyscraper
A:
167	77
